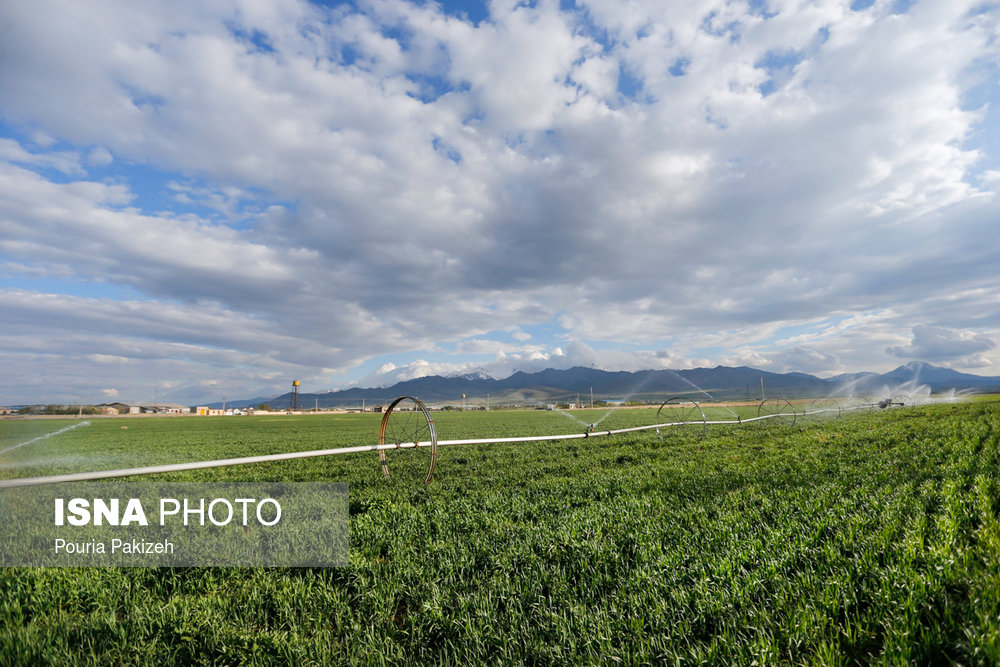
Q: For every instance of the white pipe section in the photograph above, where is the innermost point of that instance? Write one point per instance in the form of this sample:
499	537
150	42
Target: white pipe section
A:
268	458
192	465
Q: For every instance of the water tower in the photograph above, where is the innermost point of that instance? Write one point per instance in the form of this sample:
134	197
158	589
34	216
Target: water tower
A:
295	395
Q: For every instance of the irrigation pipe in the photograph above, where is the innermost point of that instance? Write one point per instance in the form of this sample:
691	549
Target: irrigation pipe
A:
287	456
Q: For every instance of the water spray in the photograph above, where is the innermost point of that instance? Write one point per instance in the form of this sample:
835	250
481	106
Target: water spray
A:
407	424
44	437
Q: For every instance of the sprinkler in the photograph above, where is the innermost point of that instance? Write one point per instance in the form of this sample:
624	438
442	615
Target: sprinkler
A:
407	425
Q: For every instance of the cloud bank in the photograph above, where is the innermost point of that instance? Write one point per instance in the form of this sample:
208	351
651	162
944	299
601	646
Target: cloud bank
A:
211	198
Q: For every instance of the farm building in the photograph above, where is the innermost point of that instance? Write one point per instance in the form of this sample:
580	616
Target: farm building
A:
113	408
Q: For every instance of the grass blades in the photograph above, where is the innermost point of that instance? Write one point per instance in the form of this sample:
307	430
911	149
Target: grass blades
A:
869	539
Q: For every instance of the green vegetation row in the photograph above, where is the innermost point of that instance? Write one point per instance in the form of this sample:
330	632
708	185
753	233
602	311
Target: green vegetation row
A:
873	538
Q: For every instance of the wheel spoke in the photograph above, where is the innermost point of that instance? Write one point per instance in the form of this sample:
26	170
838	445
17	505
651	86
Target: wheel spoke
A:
406	423
777	409
685	413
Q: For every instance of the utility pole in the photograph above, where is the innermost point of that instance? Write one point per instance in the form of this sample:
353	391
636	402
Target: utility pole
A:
591	398
762	387
362	405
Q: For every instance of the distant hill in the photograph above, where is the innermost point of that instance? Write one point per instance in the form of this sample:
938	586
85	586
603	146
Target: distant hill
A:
721	382
917	373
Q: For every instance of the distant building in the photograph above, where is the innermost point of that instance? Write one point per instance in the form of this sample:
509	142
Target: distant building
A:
113	408
5	410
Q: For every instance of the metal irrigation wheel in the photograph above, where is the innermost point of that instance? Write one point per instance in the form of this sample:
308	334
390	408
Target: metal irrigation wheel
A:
778	409
865	402
681	411
408	425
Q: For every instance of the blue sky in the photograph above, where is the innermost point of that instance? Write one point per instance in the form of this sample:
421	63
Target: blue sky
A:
201	200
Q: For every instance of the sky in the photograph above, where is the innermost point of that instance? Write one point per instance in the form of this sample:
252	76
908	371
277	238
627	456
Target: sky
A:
209	199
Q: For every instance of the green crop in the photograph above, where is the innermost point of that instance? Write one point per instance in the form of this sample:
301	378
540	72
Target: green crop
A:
872	538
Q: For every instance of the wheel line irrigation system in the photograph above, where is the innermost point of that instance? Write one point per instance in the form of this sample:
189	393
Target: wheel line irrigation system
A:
414	428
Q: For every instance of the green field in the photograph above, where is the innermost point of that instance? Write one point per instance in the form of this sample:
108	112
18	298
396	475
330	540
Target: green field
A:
870	538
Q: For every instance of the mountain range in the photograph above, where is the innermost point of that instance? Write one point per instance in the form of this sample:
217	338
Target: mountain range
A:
721	382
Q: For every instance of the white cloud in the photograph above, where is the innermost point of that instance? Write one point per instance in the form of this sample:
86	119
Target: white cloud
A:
354	182
109	359
507	359
66	162
389	374
519	335
940	344
99	157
